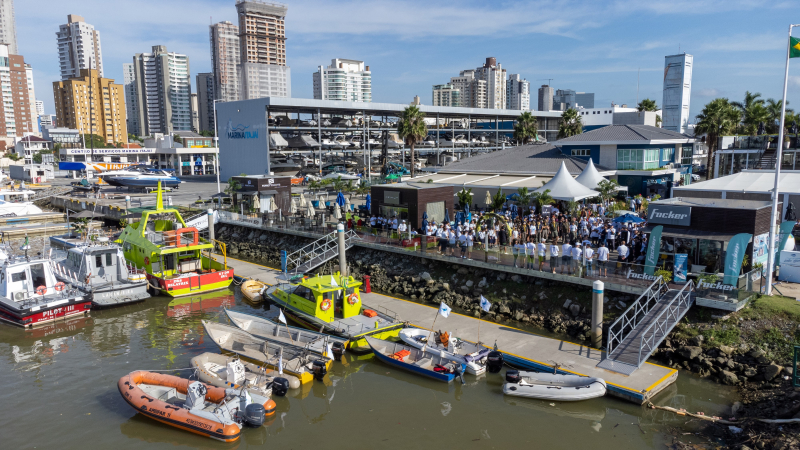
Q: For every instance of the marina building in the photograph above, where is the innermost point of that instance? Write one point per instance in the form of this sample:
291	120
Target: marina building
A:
163	90
8	27
546	95
262	50
78	48
344	80
565	99
225	61
594	118
518	93
16	105
205	101
677	92
93	105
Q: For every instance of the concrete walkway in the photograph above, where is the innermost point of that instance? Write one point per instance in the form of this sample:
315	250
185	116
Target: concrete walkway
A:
520	347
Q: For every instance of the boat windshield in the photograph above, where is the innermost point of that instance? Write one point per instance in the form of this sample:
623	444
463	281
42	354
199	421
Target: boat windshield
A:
37	275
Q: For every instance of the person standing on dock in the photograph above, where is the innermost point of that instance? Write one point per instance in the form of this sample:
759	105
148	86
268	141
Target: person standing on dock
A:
602	260
553	254
577	256
566	257
541	249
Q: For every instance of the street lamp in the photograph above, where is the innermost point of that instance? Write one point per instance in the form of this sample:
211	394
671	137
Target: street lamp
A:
216	145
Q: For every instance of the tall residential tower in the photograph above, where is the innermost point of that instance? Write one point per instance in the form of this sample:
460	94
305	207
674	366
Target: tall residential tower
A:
262	50
677	92
131	99
8	28
78	47
483	87
164	89
225	61
92	104
345	79
205	101
518	93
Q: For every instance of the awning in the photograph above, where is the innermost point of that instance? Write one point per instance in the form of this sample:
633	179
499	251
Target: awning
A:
691	234
269	192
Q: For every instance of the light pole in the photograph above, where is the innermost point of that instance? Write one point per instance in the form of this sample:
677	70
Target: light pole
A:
216	145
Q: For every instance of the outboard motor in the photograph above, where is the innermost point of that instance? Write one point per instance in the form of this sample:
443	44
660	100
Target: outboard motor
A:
494	362
280	386
254	415
513	376
338	350
319	370
457	372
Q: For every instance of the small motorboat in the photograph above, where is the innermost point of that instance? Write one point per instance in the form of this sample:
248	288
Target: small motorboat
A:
227	372
318	343
467	353
251	290
193	406
552	386
293	360
426	362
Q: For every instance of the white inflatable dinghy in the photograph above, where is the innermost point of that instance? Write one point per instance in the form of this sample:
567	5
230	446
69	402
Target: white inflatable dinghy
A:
549	386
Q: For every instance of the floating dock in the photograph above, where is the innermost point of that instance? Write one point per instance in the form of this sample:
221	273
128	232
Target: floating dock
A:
520	348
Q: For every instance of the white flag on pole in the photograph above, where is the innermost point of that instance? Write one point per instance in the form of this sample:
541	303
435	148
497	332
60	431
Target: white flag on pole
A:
282	318
444	310
333	281
485	304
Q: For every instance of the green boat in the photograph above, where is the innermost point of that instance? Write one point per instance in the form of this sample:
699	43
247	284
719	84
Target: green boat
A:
332	304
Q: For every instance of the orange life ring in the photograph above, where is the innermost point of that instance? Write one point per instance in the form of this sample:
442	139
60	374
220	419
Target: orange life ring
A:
146	261
352	298
60	286
325	305
41	290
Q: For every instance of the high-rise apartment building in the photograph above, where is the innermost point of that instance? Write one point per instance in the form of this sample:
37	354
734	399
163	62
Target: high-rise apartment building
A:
225	60
16	105
131	99
345	80
8	27
39	107
93	105
565	99
205	101
262	50
78	47
32	98
484	87
446	95
545	98
163	90
518	93
677	92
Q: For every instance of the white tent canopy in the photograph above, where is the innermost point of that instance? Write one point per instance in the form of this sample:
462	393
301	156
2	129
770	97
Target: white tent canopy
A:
564	187
590	177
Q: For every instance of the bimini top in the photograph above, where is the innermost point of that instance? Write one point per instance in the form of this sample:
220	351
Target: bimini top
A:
564	187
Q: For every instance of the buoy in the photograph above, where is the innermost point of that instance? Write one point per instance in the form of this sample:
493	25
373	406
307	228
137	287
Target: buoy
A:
41	290
60	286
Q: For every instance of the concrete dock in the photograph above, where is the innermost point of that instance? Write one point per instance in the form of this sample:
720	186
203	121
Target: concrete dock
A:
521	348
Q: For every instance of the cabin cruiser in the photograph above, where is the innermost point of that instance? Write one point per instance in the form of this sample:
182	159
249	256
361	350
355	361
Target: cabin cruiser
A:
394	141
110	176
32	296
100	270
356	141
9	208
148	179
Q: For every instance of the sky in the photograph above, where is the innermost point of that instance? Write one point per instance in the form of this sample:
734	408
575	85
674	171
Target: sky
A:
615	49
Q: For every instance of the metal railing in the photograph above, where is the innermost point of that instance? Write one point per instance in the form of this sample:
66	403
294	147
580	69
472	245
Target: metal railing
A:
628	321
326	247
665	321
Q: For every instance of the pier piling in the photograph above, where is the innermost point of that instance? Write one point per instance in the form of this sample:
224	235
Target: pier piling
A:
597	313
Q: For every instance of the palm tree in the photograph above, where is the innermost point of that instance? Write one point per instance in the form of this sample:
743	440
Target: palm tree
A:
542	198
525	128
774	108
718	118
647	105
754	115
750	99
570	124
524	197
411	127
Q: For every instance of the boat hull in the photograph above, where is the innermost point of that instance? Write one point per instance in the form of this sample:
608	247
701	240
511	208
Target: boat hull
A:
193	284
41	316
145	183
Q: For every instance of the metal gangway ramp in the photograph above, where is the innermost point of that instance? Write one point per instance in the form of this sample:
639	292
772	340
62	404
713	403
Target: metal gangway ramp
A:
634	336
319	252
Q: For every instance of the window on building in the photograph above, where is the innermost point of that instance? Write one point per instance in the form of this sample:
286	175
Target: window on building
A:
668	154
686	155
580	152
637	159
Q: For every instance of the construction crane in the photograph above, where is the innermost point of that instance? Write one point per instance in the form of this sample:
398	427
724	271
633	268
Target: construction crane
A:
549	80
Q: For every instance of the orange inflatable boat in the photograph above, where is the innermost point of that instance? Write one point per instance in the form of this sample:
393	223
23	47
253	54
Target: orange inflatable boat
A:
193	406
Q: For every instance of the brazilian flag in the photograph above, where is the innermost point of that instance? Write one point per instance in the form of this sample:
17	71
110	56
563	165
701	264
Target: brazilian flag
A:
794	47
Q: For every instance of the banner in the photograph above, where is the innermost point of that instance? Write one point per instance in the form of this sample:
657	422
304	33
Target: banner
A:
734	256
653	250
283	260
680	268
786	233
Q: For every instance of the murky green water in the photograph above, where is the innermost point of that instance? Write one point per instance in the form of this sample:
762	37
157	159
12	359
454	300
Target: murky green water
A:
59	392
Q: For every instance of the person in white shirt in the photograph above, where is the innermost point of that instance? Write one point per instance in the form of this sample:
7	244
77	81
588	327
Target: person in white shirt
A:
451	241
515	252
542	253
577	254
373	223
566	258
554	255
622	256
530	253
588	253
402	228
470	239
602	260
462	242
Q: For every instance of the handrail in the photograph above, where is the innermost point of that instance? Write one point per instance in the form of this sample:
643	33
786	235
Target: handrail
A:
682	295
652	292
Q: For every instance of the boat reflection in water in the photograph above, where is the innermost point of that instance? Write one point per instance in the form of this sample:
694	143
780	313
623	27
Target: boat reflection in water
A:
592	410
185	306
68	327
146	430
376	367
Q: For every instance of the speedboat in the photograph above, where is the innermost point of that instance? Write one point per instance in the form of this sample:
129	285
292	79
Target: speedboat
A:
473	356
282	166
18	209
193	406
32	296
345	176
276	141
552	386
148	179
428	363
100	270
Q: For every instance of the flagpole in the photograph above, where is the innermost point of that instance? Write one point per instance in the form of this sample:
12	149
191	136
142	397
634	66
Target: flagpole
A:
778	160
287	328
434	324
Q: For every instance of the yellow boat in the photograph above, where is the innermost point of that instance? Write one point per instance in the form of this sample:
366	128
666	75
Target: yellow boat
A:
251	290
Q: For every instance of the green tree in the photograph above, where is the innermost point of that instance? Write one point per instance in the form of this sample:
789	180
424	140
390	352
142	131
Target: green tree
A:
412	128
718	118
498	200
207	133
233	186
37	157
750	99
525	128
177	138
774	108
755	114
608	189
542	199
570	124
647	105
13	156
134	138
524	197
464	197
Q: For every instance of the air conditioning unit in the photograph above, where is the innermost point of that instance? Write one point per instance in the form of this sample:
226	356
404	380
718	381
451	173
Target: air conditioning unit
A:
22	295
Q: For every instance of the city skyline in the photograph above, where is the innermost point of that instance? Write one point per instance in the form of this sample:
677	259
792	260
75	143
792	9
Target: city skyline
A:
572	43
